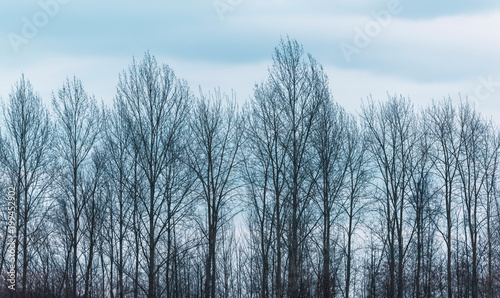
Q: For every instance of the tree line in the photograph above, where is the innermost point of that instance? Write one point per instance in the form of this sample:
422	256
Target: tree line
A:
170	194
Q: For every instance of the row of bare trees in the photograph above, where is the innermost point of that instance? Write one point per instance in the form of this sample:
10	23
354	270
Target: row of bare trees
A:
168	194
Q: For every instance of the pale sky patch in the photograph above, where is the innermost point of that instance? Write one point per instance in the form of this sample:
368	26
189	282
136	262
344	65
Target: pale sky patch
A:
428	50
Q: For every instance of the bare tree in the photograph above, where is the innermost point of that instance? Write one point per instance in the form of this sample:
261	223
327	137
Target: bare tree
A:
26	155
217	136
78	123
441	121
393	139
332	166
358	175
295	82
261	213
156	106
93	192
265	162
180	203
119	168
490	162
422	200
266	168
473	175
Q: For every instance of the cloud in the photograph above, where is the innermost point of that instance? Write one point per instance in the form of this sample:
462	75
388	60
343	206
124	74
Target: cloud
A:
433	9
442	50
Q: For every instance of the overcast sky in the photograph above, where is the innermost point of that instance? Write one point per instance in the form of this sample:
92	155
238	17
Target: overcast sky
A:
420	49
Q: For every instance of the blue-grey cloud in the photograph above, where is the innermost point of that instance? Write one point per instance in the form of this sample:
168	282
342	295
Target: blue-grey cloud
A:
426	43
432	9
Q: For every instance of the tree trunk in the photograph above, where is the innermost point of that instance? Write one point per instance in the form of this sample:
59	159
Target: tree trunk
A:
75	230
349	243
326	249
151	261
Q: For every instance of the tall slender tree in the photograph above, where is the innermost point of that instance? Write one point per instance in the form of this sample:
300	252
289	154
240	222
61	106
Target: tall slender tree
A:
441	121
265	135
295	82
357	180
473	175
217	135
393	137
79	125
119	170
328	140
156	105
26	154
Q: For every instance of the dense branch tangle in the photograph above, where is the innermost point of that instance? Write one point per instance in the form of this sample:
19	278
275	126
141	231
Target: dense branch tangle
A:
172	194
